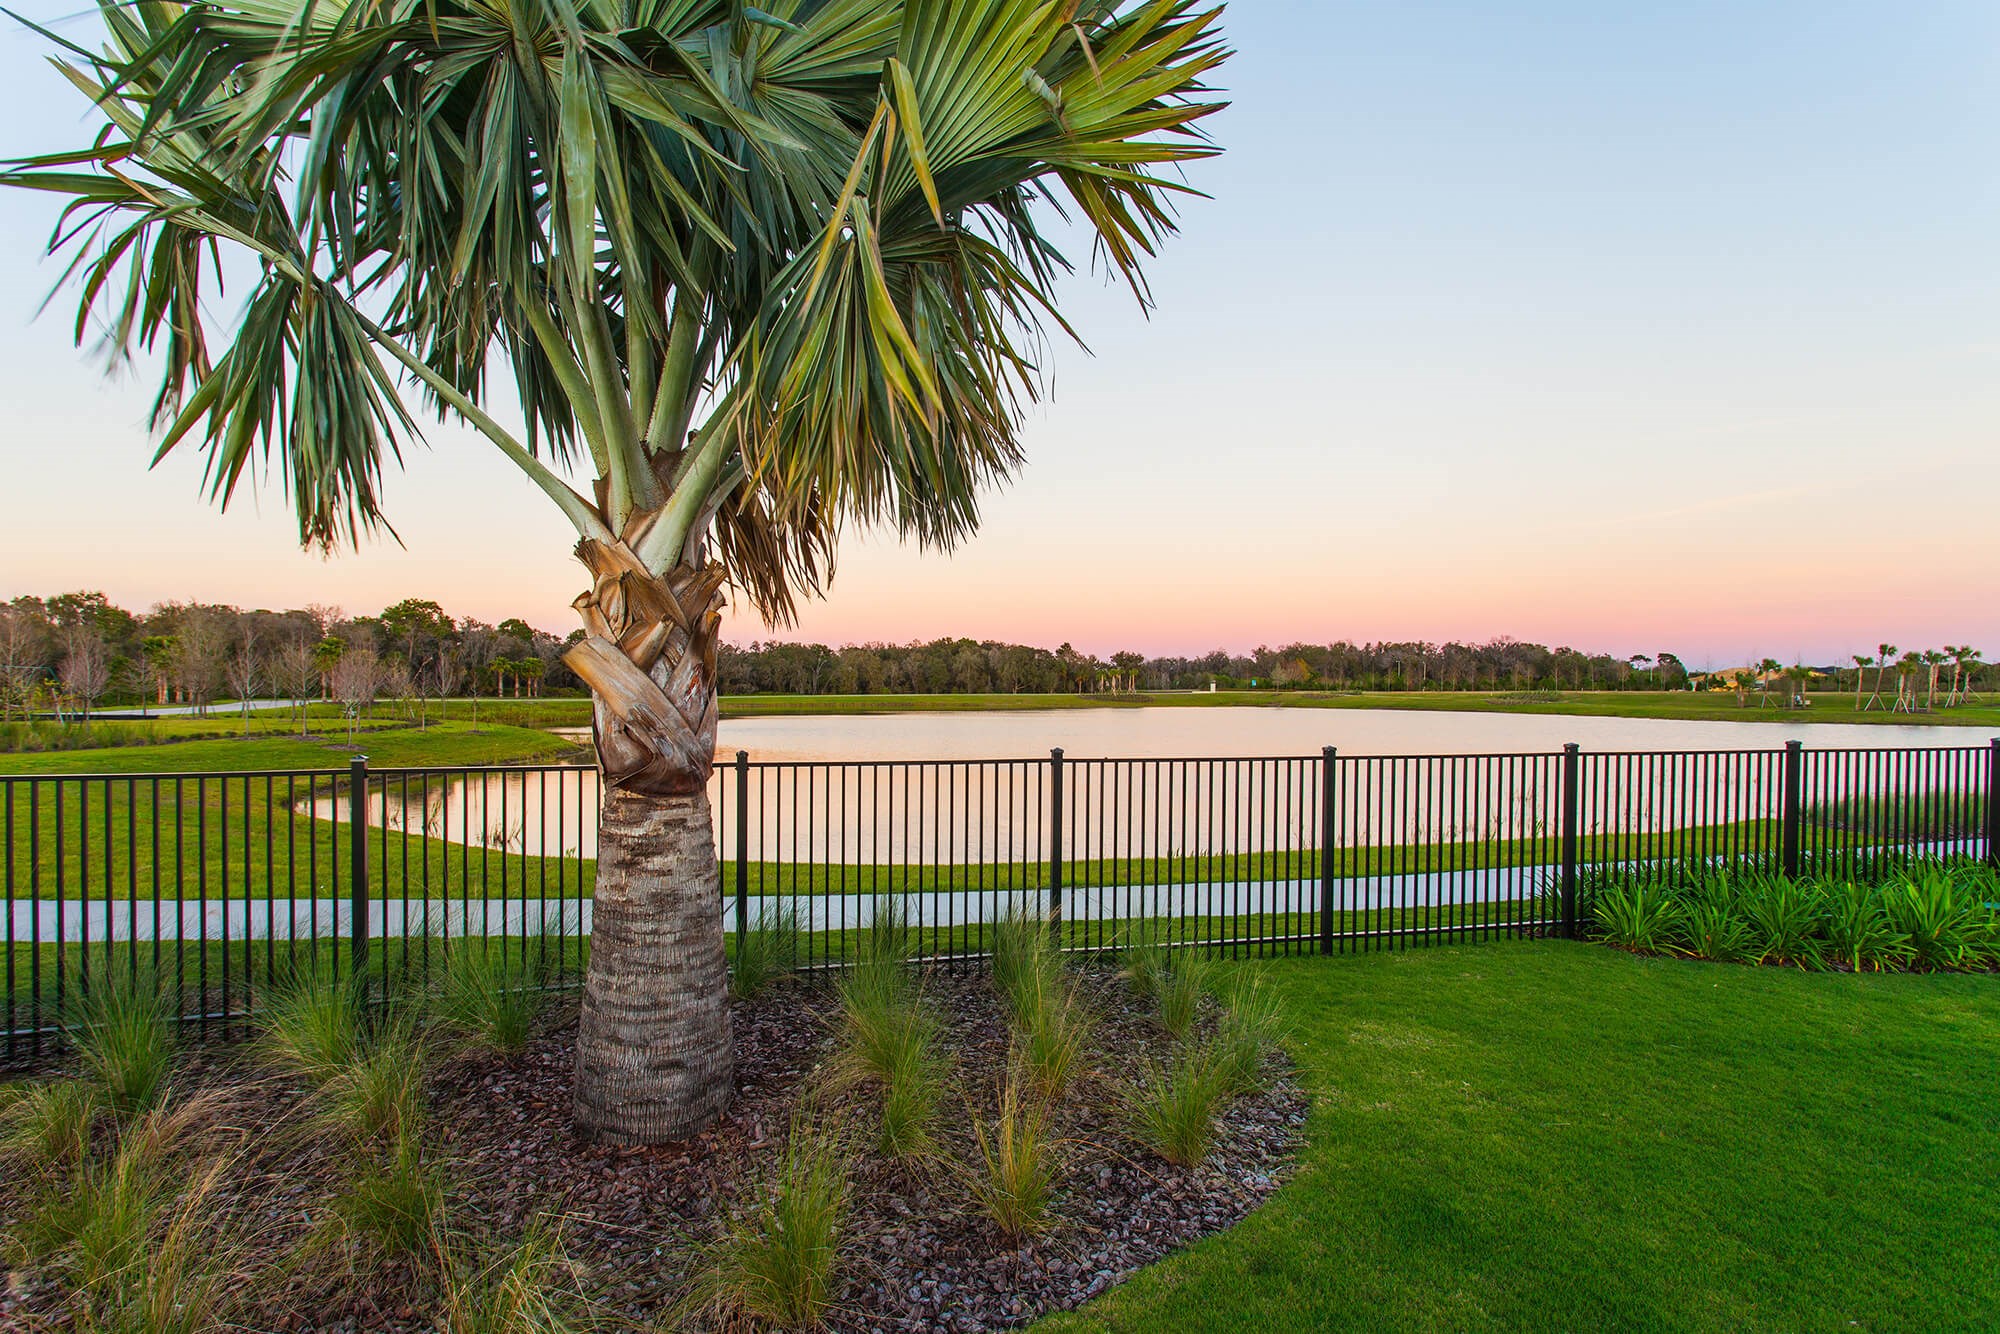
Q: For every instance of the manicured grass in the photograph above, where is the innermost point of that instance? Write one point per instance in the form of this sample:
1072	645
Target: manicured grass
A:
1559	1136
447	743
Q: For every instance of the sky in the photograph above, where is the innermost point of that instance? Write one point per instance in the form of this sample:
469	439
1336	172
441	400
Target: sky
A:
1626	327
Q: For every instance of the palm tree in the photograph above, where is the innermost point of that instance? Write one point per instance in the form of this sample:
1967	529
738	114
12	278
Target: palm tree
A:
1765	670
1861	665
1933	663
1887	651
766	271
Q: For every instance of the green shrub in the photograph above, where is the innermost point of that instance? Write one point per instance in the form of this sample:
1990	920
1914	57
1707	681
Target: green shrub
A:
1941	916
1784	920
1172	1106
1015	1177
1858	932
1638	914
768	950
122	1027
484	1002
1713	928
781	1264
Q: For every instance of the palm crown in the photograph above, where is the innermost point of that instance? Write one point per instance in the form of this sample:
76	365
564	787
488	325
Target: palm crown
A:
771	269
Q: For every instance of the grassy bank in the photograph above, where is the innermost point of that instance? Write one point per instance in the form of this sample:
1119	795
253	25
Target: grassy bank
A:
1558	1136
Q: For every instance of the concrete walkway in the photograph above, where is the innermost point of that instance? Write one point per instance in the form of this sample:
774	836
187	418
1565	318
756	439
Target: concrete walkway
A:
76	920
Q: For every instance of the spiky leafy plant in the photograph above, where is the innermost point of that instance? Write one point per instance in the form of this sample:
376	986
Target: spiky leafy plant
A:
1014	1179
1637	913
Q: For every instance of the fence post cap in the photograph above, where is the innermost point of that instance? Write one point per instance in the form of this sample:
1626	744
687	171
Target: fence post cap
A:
1795	744
1327	751
1055	752
743	757
1571	748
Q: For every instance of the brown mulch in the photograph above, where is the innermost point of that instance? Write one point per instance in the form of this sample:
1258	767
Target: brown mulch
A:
917	1253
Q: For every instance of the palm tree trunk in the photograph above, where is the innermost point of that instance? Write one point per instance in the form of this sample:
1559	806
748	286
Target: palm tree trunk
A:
654	1057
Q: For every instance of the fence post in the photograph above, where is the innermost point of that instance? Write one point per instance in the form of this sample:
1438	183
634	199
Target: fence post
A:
1795	776
1993	804
1055	841
1572	808
742	848
357	870
1326	804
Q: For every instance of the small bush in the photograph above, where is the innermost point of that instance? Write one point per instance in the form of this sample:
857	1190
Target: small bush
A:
484	1002
46	1127
1015	1177
1857	928
1172	1106
1941	917
781	1264
1783	917
766	952
1713	928
311	1028
123	1030
1637	914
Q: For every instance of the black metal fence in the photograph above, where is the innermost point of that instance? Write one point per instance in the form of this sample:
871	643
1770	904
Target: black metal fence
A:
214	885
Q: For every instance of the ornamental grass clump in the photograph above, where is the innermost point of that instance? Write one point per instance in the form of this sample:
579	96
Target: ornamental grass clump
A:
122	1028
1252	1020
891	1040
1172	1106
378	1097
312	1027
1023	959
780	1264
1145	960
1052	1031
392	1202
531	1287
46	1127
1015	1176
765	952
1181	991
483	1001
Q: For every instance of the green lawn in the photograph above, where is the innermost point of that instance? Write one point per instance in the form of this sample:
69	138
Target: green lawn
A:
1555	1136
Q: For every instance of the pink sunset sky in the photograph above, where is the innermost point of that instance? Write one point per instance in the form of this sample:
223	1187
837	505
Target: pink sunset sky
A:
1677	331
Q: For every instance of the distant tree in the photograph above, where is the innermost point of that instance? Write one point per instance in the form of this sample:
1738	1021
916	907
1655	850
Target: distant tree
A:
1861	664
23	654
1766	671
1127	665
477	643
244	672
1885	652
296	667
201	647
1933	661
355	679
86	664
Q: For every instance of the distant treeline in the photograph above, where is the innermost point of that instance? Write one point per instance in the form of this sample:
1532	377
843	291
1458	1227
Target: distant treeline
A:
76	651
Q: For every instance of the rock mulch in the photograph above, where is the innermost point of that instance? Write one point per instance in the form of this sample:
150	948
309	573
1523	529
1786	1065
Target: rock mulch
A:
917	1253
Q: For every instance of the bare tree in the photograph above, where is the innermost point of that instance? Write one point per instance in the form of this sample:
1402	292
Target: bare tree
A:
86	666
447	673
355	679
477	645
244	672
296	667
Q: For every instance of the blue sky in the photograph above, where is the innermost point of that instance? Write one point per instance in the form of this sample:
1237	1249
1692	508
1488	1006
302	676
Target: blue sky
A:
1628	327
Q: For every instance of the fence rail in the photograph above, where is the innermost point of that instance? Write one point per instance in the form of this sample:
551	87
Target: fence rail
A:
215	884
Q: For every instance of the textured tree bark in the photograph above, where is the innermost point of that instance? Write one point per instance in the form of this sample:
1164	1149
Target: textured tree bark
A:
654	1061
654	1058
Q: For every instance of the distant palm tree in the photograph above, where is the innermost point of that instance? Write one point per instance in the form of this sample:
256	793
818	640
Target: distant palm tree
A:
1765	670
1933	665
1906	693
1887	651
1861	665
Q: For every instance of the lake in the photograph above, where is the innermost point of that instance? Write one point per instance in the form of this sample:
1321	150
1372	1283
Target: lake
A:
848	801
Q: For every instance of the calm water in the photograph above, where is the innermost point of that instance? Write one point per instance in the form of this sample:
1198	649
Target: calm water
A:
969	812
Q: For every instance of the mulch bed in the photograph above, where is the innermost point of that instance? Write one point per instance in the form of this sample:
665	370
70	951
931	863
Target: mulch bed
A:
918	1255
